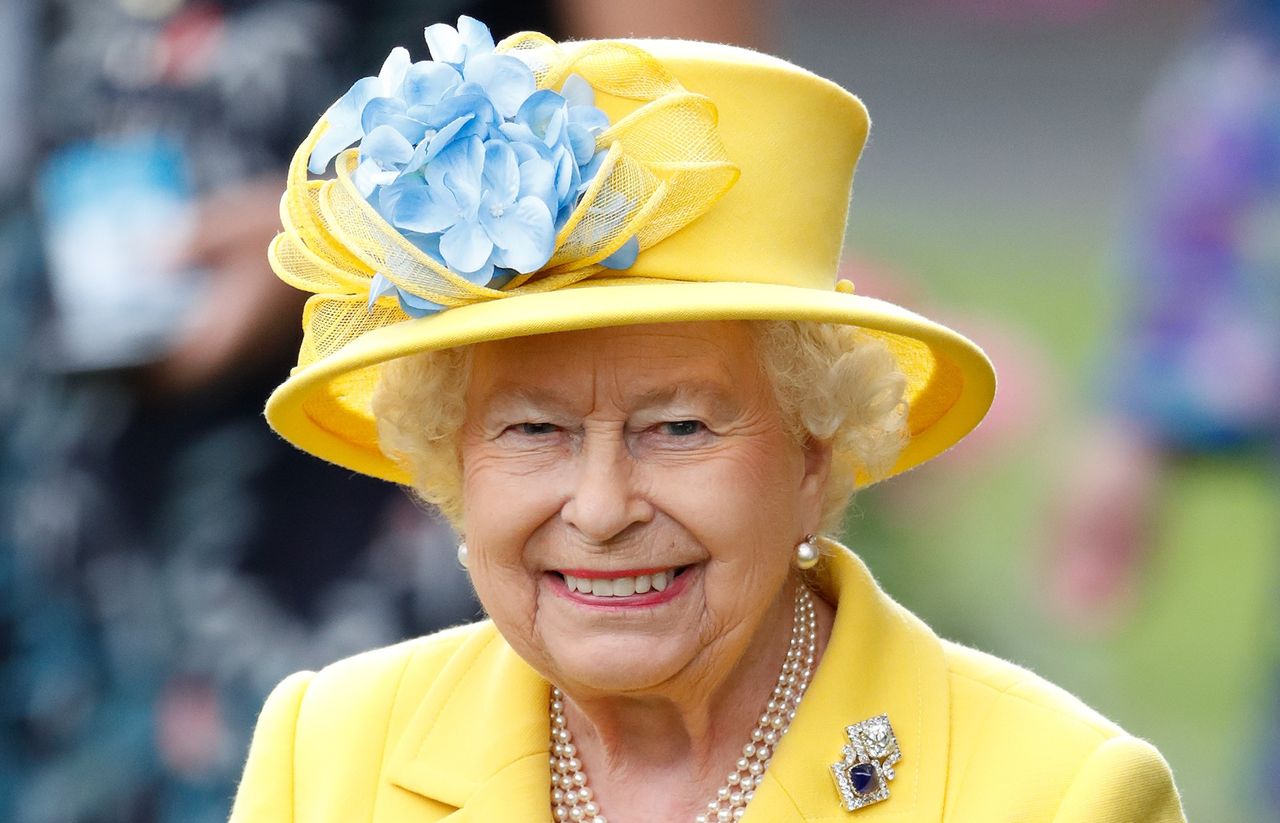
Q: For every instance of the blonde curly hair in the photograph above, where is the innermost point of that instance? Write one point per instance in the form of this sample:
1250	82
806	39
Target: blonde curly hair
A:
833	383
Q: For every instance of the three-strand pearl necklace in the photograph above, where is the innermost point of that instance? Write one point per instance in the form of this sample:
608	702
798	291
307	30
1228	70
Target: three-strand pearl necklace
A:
572	799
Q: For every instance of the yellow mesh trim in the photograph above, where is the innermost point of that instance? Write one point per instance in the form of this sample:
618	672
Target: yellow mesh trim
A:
330	321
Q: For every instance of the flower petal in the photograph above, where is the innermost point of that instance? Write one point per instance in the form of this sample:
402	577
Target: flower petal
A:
565	168
462	163
460	105
537	109
378	287
415	306
343	118
466	247
387	146
555	127
441	139
538	179
590	170
445	44
482	275
427	82
524	233
562	216
368	176
501	173
589	117
393	70
389	195
465	88
426	209
378	110
428	244
577	91
519	135
419	158
625	256
583	143
475	36
389	111
506	80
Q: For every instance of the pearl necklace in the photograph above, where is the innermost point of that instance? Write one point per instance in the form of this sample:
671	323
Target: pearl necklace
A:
572	799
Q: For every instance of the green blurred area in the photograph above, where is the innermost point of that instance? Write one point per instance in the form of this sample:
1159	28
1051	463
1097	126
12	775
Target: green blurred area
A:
1192	665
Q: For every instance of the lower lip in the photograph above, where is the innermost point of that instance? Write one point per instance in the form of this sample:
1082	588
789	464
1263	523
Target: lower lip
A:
649	599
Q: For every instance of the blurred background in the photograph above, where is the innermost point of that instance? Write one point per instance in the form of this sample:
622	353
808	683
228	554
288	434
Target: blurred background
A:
1089	188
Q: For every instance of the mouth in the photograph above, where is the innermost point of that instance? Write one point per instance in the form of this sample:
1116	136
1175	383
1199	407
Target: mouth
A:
631	587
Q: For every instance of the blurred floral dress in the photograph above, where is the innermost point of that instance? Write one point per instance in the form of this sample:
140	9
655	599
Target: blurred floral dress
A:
1204	329
1202	335
163	563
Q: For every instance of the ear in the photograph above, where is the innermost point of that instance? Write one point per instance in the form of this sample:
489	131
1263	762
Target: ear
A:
813	483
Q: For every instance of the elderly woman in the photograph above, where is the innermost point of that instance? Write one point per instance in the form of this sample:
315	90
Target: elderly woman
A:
582	298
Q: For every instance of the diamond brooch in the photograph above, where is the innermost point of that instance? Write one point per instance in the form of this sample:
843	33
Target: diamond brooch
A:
862	776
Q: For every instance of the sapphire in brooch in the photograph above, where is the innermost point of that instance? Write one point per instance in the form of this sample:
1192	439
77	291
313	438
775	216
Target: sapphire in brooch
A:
862	775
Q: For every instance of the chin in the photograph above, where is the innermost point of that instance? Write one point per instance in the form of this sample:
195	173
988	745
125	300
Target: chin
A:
606	663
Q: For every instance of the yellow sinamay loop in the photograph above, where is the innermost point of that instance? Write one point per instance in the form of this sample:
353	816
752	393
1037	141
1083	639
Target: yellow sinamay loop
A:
666	167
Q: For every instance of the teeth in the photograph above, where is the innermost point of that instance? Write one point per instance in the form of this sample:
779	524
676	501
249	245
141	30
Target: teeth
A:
620	586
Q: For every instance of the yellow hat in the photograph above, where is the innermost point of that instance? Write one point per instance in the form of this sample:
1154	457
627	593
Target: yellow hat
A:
734	170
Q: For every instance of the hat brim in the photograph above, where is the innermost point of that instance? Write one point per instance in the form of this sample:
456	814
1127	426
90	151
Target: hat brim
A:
323	408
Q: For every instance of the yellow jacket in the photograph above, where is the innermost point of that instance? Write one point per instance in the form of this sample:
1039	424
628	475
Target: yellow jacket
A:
454	727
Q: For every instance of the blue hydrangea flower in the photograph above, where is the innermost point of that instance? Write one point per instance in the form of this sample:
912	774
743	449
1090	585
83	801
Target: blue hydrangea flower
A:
467	158
478	200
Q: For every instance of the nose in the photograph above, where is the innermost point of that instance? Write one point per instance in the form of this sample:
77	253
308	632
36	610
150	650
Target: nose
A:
604	501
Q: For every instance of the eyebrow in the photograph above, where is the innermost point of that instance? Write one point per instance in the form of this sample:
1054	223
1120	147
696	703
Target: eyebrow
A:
508	394
710	390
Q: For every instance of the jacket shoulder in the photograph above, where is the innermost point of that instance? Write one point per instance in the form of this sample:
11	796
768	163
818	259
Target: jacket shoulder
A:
322	736
376	678
1024	747
985	686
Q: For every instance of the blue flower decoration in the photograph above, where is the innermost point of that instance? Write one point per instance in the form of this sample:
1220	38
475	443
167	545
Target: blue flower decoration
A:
467	158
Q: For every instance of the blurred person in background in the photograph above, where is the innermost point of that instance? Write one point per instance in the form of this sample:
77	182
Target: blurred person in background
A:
156	576
1196	388
156	570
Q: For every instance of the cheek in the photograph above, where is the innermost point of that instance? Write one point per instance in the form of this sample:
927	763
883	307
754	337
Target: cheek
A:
506	495
505	507
737	492
745	508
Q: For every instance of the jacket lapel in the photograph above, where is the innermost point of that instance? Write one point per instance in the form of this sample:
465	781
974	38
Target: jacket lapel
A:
478	739
880	659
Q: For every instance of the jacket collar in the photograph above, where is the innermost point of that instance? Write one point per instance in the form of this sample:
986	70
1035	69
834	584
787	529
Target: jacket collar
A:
880	660
478	738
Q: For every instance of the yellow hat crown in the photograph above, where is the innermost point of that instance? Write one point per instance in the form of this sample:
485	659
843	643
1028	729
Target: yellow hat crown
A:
734	169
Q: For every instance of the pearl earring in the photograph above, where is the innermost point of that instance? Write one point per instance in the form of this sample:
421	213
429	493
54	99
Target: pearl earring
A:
807	553
462	554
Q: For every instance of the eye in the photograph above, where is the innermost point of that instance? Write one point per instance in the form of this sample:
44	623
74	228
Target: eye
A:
683	428
532	429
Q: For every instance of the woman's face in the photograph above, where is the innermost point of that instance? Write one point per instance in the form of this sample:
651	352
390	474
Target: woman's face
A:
650	467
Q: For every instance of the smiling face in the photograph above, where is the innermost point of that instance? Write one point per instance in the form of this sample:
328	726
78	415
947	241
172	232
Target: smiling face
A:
632	500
